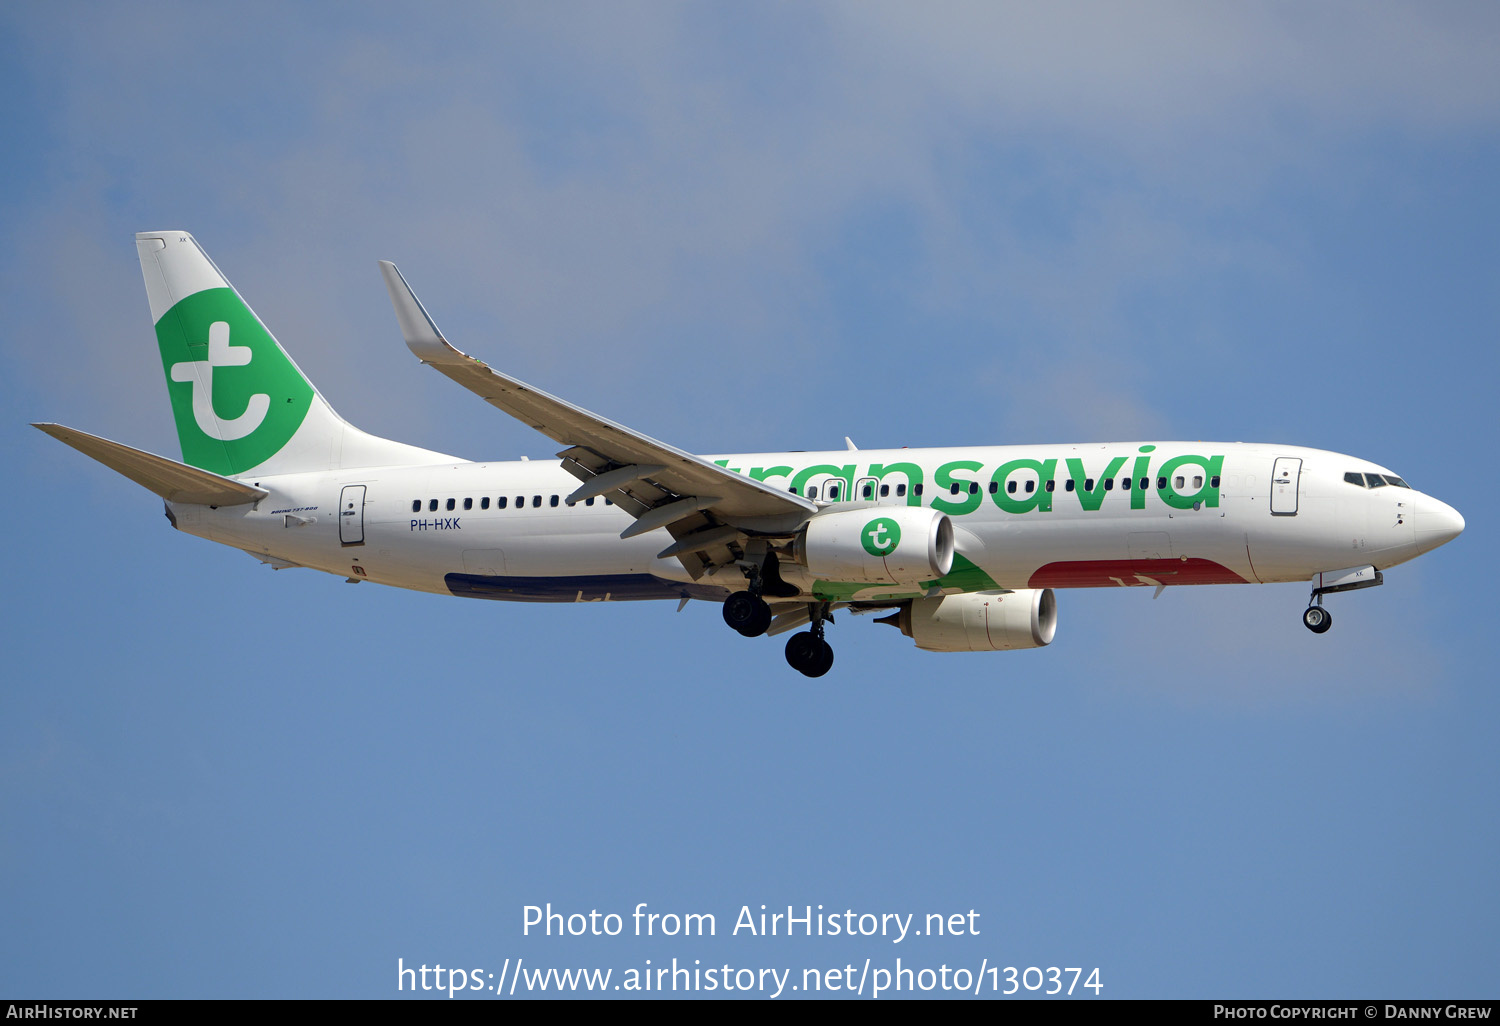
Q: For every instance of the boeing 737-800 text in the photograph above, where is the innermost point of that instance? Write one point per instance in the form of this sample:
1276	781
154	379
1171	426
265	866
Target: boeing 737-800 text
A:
963	546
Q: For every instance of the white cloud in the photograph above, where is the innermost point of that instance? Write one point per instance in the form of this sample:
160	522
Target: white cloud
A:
647	201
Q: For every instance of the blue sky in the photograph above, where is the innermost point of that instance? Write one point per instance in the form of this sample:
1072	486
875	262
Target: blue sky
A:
748	230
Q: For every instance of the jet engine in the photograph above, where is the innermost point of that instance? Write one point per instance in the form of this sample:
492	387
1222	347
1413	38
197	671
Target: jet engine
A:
986	621
877	545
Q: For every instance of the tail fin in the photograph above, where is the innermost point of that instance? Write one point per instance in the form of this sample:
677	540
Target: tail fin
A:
220	359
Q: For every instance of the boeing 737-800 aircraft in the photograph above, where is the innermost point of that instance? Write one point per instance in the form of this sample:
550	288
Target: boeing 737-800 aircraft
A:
963	546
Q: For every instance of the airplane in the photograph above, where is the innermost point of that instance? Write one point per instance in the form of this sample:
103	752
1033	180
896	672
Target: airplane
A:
961	547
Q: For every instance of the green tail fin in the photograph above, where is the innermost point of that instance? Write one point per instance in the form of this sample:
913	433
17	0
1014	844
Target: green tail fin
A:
240	403
236	396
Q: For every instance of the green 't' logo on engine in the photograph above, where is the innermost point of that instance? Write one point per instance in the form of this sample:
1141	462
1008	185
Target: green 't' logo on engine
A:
880	536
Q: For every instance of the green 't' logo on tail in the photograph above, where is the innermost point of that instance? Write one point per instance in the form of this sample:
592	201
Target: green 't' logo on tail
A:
236	397
880	536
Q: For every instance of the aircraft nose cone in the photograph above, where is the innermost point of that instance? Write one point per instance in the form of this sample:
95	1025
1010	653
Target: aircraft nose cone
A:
1437	523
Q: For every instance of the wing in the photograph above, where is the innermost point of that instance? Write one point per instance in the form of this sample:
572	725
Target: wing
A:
709	510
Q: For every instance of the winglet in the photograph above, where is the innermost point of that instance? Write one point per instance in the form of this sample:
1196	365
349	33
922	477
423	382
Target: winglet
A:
422	336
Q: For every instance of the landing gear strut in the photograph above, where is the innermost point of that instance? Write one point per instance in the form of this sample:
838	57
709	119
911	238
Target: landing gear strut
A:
808	653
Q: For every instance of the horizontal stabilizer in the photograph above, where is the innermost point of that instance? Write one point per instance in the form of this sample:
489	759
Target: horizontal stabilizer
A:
173	481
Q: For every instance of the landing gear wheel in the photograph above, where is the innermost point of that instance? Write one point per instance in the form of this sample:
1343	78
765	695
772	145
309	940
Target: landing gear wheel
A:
809	654
747	614
1317	619
824	661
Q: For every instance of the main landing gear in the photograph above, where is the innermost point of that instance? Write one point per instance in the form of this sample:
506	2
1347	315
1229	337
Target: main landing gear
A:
808	653
747	613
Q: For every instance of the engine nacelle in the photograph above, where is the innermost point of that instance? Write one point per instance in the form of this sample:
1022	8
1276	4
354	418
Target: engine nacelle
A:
878	545
980	621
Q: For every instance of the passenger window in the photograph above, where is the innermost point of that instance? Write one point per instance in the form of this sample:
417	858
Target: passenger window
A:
589	501
609	502
916	490
520	502
1069	486
1088	484
901	490
484	503
1109	484
432	506
416	505
502	502
1214	480
1010	487
553	501
869	491
1051	486
1030	487
1145	483
1161	482
1178	481
833	492
1197	480
812	491
450	505
885	490
953	490
468	503
536	500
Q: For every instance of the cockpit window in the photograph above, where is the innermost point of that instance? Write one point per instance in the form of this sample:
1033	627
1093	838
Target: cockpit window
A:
1354	477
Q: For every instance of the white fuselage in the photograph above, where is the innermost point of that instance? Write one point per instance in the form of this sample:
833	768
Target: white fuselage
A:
1032	516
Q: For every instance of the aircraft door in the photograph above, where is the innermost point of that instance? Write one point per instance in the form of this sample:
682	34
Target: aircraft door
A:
352	515
1285	477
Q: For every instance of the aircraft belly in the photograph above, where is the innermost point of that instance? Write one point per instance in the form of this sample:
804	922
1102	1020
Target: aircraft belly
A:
577	588
572	557
1187	547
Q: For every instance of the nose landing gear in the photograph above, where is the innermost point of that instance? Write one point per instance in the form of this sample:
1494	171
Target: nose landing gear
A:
1317	619
1355	578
